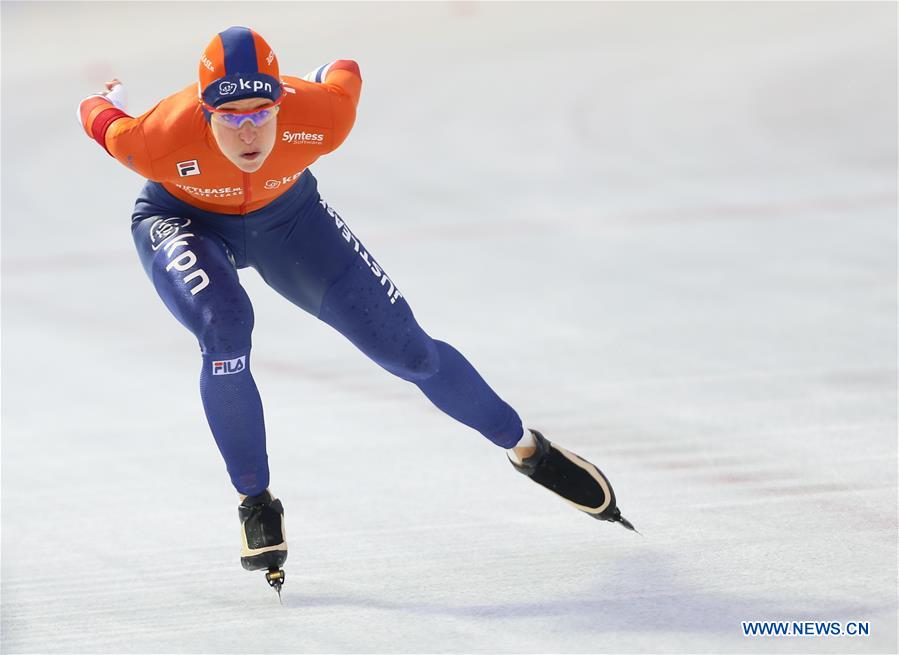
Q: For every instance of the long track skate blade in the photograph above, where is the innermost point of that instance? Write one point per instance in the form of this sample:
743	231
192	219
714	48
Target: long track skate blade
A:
275	578
627	524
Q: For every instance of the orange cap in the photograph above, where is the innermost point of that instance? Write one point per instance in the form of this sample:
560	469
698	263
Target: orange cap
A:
238	64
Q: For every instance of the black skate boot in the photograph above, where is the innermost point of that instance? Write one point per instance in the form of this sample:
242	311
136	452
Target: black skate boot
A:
574	479
262	530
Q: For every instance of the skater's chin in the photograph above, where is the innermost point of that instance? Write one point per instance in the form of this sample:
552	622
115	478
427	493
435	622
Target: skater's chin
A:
249	163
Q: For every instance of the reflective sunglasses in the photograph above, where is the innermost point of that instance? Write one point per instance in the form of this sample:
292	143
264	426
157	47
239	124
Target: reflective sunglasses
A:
235	119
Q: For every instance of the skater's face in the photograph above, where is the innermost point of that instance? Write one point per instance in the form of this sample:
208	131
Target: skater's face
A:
247	146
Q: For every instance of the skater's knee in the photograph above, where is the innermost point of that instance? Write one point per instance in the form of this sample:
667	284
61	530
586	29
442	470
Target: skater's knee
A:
228	328
418	361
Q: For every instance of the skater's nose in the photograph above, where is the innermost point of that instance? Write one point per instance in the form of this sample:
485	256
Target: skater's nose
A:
247	132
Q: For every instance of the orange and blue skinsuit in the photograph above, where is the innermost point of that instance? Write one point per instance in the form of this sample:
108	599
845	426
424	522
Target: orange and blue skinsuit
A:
199	219
173	145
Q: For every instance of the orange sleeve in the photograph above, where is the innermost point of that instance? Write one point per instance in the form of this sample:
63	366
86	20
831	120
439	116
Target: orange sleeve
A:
126	140
120	135
342	74
345	75
343	79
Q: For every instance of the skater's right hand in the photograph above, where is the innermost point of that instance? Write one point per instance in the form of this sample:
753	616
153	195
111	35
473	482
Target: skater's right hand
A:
115	93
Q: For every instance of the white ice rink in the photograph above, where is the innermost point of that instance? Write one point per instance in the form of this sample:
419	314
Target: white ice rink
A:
665	233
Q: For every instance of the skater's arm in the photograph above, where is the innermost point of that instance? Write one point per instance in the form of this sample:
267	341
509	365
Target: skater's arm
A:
105	120
344	82
99	111
343	75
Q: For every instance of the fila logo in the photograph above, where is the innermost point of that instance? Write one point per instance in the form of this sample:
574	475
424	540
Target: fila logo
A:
229	366
188	168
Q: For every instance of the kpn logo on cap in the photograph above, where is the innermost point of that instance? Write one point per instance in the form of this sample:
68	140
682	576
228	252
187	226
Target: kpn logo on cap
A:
238	64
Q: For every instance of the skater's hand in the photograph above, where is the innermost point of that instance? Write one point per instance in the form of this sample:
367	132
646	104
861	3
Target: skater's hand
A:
115	93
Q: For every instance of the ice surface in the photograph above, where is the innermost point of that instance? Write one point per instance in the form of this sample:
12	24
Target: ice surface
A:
666	233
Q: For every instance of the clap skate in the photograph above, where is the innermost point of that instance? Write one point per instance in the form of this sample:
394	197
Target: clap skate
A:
264	545
575	479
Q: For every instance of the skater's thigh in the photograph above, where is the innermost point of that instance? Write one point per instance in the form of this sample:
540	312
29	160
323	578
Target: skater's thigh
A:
301	255
305	258
192	272
364	305
319	264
